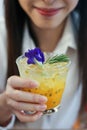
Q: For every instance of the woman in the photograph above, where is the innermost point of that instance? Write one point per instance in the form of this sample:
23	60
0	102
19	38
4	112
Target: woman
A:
52	25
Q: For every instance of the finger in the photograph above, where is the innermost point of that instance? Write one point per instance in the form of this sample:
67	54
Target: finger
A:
26	96
27	118
26	106
18	82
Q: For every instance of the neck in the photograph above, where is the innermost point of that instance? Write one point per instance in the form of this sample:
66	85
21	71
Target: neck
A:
49	38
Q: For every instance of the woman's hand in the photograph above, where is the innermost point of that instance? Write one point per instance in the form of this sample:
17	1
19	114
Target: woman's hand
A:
20	101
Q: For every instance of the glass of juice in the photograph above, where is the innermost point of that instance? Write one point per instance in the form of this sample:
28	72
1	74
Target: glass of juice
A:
51	77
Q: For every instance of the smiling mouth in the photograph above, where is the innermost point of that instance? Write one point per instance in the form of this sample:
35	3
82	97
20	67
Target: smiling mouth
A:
48	12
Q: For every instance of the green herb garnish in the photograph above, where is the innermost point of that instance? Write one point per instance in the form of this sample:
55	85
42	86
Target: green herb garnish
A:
58	58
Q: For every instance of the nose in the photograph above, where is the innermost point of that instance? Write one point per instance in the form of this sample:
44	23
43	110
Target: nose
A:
49	1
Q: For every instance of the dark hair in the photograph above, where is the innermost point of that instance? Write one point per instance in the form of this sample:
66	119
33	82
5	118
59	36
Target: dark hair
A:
82	48
15	19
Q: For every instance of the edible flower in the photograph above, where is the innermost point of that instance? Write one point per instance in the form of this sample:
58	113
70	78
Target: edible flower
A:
34	55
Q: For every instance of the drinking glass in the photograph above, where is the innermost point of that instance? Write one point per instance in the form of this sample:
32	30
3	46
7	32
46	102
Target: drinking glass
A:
51	77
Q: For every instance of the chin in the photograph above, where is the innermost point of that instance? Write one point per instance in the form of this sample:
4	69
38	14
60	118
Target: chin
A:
46	26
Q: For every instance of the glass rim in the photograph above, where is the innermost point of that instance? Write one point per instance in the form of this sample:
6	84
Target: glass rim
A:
66	65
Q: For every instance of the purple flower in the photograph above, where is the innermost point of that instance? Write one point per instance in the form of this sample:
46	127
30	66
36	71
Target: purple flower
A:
34	54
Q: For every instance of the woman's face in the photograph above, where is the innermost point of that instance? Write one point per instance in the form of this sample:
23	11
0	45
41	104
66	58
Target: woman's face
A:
48	14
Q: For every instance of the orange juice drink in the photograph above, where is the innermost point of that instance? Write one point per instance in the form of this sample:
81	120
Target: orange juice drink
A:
51	77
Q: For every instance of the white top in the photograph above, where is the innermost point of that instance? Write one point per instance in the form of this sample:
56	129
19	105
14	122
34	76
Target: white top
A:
1	8
71	99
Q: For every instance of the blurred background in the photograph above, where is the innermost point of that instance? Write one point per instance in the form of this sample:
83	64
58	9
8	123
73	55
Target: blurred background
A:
1	8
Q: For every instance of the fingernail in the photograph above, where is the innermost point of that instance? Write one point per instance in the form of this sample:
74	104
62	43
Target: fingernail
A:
34	83
43	99
43	107
39	115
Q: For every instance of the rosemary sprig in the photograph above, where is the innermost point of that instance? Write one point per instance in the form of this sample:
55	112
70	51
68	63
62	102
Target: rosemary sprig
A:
57	58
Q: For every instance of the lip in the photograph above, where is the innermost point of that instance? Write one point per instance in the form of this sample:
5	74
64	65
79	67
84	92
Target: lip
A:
48	12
